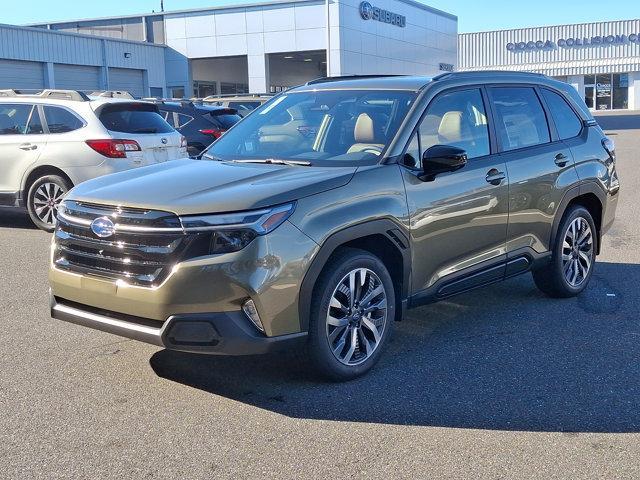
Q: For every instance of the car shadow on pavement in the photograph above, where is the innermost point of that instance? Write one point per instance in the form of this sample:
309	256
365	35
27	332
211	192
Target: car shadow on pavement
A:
502	358
16	218
618	122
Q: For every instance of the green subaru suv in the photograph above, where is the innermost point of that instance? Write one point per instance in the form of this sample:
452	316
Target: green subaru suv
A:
327	212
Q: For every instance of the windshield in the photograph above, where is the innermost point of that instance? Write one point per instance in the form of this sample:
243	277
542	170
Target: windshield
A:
327	126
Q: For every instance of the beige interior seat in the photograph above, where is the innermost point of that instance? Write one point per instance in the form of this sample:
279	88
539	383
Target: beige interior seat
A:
451	129
364	134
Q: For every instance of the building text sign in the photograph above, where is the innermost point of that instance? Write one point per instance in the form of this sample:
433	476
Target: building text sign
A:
369	12
573	42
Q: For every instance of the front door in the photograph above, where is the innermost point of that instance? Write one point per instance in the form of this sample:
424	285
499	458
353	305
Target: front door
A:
459	219
21	141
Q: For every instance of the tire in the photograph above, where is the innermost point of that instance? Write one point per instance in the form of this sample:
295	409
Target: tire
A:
571	266
43	198
365	333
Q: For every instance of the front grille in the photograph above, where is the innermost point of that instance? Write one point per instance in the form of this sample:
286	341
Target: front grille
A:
142	251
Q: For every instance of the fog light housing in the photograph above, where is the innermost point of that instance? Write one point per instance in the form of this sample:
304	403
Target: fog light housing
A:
250	310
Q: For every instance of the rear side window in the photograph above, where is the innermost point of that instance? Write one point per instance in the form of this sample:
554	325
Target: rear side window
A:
60	120
567	122
224	119
14	118
182	119
520	118
138	118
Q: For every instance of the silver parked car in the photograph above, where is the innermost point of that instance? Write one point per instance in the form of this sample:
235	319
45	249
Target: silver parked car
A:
55	139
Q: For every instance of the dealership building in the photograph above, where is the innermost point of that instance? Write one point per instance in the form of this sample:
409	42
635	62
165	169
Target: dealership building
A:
257	48
601	60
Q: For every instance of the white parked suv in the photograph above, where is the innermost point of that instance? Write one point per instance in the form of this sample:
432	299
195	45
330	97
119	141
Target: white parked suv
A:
55	139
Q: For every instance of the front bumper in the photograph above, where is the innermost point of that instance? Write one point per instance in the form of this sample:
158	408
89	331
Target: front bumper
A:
223	333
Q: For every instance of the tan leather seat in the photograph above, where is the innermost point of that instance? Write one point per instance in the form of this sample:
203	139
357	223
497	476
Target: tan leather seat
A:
364	135
451	128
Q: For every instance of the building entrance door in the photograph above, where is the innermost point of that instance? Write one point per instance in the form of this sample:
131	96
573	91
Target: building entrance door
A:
589	93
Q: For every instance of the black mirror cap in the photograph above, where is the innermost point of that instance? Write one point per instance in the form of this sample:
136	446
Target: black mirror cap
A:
441	159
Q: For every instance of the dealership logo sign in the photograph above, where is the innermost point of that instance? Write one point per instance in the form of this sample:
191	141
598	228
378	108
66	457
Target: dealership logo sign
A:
369	12
573	42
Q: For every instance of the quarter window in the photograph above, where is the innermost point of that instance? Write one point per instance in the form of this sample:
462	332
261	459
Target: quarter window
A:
14	118
520	118
565	119
60	120
458	119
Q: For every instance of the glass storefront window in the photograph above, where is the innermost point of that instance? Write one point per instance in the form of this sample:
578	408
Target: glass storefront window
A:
607	91
620	90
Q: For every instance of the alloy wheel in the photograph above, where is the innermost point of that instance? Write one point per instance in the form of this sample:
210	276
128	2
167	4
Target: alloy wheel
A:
577	252
46	200
357	316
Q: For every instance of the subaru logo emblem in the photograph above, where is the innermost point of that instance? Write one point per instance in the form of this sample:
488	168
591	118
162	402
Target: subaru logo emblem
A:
366	10
164	141
103	227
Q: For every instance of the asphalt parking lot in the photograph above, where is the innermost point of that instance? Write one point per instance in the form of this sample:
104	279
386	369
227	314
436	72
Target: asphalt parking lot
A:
499	383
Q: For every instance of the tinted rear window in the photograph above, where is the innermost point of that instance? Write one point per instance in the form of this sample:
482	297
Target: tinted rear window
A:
135	118
225	119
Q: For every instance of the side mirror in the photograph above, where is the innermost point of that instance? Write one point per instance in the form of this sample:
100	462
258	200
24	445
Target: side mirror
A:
441	159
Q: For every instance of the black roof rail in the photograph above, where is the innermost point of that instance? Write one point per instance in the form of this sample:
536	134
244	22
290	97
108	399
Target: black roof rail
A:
347	77
444	75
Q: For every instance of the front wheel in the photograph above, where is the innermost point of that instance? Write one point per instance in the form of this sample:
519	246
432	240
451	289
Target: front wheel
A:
352	315
573	256
43	198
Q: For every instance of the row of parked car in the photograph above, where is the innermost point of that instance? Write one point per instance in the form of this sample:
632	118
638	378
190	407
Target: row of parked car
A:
55	139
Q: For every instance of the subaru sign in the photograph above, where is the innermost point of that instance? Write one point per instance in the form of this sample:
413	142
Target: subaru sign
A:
369	12
573	42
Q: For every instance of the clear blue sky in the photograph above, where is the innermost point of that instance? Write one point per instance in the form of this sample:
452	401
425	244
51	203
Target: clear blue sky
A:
473	15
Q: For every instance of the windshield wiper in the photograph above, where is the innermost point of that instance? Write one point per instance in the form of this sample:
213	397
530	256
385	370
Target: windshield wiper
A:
277	161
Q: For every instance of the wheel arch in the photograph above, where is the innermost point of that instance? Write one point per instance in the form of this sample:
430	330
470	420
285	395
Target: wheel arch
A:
588	195
383	238
41	171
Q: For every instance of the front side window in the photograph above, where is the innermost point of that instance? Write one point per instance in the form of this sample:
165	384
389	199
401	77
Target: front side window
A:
567	122
520	118
458	119
14	118
60	120
323	127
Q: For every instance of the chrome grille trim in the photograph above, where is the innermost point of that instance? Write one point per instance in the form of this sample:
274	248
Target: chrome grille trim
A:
143	250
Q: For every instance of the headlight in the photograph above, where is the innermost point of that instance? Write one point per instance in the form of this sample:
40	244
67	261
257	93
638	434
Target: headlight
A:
234	231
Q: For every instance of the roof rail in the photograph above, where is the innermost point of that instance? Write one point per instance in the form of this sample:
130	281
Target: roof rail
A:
488	72
48	93
228	95
346	77
112	94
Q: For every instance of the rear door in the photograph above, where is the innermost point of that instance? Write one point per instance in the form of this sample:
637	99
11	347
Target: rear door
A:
539	164
143	123
22	140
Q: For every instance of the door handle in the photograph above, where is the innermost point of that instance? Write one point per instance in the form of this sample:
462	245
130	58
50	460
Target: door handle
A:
495	177
561	159
28	146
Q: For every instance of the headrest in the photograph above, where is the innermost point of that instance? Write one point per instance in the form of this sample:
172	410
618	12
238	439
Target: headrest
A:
364	130
451	127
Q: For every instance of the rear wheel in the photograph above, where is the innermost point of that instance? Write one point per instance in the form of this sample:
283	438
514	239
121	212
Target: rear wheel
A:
352	315
43	198
573	257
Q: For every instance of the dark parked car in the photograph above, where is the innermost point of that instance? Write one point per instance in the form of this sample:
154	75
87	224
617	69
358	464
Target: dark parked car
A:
200	124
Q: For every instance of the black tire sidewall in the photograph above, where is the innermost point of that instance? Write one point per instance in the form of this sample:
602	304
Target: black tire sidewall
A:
571	215
322	357
61	182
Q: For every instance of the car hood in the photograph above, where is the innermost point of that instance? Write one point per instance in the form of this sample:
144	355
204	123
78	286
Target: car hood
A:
189	187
